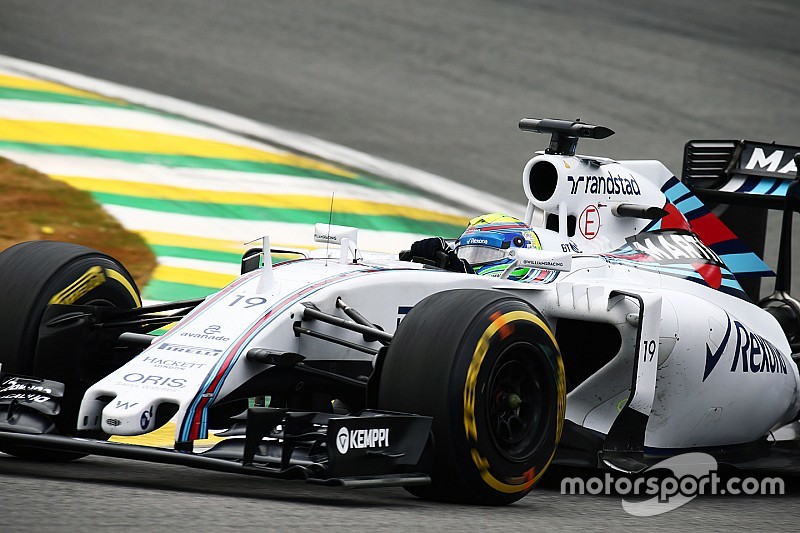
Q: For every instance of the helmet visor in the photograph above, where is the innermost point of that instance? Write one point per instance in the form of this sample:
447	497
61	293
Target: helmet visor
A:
479	255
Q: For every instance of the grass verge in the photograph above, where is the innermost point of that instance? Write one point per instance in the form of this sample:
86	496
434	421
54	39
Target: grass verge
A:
35	207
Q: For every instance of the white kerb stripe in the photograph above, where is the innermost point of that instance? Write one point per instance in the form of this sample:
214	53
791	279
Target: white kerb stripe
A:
481	201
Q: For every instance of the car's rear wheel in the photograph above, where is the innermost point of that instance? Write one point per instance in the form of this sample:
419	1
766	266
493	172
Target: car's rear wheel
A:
486	366
34	275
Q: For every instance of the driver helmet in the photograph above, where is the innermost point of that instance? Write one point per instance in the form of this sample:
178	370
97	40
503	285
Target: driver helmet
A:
488	239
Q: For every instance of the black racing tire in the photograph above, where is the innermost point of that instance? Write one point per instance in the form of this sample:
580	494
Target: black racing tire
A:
32	276
485	365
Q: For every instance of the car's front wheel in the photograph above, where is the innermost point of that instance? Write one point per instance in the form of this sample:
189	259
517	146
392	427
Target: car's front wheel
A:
485	365
34	275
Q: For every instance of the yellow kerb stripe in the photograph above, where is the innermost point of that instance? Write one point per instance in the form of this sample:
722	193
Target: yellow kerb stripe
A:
118	139
278	201
29	84
155	238
191	276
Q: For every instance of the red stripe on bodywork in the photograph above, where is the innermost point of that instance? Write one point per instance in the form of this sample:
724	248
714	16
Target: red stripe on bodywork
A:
674	219
711	230
711	274
708	229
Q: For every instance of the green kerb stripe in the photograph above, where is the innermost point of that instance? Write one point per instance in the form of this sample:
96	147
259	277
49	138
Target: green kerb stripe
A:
168	291
276	214
29	95
196	253
182	161
210	255
9	93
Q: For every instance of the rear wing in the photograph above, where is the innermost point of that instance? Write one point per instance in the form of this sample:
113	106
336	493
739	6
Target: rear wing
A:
740	172
750	174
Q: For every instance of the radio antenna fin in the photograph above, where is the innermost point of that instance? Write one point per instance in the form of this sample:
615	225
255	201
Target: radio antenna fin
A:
330	221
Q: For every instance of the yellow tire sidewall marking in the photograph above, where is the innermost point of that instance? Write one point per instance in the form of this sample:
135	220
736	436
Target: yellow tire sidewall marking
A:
90	280
470	426
122	280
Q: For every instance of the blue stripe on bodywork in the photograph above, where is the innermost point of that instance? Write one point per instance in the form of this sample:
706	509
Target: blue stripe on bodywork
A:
689	204
764	186
745	263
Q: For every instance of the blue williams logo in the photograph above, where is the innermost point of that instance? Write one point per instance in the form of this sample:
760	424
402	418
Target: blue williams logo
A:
144	421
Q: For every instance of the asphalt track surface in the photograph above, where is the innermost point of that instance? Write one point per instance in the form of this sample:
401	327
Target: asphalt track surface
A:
439	85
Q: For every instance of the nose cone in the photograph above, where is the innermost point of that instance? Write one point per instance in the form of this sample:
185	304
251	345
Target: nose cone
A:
127	418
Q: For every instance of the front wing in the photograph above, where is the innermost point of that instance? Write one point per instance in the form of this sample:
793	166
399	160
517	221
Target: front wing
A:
373	448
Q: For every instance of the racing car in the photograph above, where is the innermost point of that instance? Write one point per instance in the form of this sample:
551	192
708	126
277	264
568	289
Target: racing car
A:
607	329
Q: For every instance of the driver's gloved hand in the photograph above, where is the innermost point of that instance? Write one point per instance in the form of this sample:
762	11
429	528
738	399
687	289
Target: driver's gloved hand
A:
434	251
429	248
455	264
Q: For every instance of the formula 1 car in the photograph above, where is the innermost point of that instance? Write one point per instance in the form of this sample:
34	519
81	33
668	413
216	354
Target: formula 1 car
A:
628	338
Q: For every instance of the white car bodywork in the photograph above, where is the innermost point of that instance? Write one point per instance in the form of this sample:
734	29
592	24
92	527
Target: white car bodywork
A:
708	368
